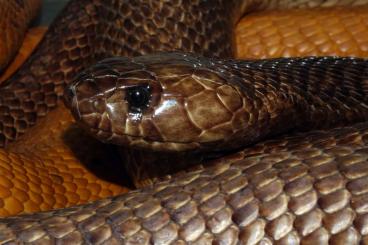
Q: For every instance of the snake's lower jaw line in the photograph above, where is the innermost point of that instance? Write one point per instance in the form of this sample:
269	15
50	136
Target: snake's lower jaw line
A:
308	189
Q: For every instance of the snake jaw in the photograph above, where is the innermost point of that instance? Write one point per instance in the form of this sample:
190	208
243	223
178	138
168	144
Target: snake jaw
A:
161	102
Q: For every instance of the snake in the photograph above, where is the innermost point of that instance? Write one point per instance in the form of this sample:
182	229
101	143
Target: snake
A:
194	100
13	29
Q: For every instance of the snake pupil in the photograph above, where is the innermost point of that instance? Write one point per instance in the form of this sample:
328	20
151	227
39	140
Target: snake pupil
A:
138	97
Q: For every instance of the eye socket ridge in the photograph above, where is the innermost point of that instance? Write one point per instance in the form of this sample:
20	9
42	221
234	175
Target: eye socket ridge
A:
138	97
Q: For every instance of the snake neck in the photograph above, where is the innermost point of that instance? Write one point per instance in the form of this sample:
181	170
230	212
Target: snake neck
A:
312	93
89	30
252	101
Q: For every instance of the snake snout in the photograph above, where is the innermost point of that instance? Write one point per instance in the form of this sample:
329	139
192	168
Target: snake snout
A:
159	102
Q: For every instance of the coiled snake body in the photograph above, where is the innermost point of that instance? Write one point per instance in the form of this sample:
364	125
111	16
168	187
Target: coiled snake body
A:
308	188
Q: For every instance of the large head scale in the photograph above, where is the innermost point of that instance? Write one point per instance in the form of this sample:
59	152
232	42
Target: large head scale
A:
165	101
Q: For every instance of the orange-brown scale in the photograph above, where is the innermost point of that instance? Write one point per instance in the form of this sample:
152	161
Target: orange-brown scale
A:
42	172
296	33
31	39
301	189
45	172
65	152
14	21
277	88
279	180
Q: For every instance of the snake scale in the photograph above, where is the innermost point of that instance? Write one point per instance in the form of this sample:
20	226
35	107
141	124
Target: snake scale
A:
309	188
13	29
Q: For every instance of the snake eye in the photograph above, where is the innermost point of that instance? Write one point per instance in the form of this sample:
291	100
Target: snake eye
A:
138	97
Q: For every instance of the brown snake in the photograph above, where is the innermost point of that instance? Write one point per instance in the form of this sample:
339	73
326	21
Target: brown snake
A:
309	188
12	29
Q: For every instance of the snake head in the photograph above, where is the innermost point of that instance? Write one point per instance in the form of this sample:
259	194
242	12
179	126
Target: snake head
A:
165	102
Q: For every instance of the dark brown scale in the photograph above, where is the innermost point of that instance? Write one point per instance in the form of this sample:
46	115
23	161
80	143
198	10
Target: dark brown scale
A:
309	188
98	29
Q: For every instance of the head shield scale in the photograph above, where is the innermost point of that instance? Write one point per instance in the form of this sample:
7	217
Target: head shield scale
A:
163	102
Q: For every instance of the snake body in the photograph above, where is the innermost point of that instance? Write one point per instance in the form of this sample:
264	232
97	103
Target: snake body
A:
309	188
13	29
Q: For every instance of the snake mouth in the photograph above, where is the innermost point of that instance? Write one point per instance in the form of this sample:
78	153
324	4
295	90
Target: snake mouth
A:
141	142
101	125
174	100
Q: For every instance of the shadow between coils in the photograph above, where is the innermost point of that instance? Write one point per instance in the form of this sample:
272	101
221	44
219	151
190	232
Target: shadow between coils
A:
131	168
103	160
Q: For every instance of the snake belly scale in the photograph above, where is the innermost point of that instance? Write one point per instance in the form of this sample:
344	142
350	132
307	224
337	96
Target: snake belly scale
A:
307	188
